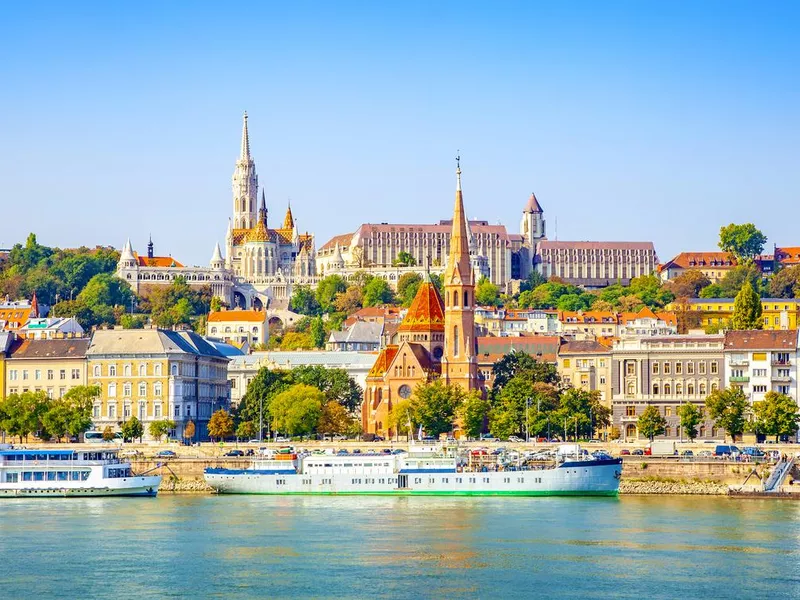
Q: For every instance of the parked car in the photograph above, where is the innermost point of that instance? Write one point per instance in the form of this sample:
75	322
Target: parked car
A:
753	452
601	455
704	454
687	453
487	437
166	454
339	437
727	451
638	452
281	439
378	438
515	440
234	453
130	453
624	452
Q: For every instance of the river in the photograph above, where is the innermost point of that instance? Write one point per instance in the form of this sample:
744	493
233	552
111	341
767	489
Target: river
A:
399	547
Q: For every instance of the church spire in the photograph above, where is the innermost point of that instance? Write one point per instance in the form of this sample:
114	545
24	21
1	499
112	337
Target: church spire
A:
288	221
458	262
245	154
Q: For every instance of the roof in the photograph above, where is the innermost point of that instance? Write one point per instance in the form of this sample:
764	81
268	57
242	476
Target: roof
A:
385	358
554	245
646	313
55	323
533	205
66	348
343	240
228	316
14	317
426	312
150	341
698	260
327	358
788	255
157	261
422	356
731	300
359	332
589	316
583	347
761	340
444	226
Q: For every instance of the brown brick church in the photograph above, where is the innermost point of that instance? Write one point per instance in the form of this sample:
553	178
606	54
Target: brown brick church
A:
436	337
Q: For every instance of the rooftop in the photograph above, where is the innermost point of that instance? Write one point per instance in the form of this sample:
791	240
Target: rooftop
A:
761	340
228	316
61	348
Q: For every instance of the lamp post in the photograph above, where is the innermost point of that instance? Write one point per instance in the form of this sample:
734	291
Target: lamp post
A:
260	418
527	422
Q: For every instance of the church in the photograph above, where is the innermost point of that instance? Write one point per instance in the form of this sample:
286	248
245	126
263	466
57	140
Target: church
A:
435	339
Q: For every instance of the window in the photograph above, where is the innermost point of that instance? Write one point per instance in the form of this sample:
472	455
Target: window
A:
702	388
76	374
157	410
126	389
97	370
37	374
630	368
759	389
714	367
174	370
566	363
667	389
630	411
142	370
157	370
50	374
602	380
667	368
112	390
157	389
112	411
96	411
701	368
759	372
690	389
188	410
655	389
655	368
690	368
678	389
126	411
112	370
714	386
678	368
142	390
12	375
142	411
127	371
24	374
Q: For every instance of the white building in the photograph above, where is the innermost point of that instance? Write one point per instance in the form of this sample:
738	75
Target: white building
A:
239	327
51	328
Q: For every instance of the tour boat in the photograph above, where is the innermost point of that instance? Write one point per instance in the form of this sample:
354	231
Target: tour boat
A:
424	470
46	473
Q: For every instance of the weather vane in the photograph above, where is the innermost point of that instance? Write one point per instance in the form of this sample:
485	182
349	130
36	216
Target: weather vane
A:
458	159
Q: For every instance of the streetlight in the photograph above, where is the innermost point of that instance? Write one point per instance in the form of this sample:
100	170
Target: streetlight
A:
260	418
527	424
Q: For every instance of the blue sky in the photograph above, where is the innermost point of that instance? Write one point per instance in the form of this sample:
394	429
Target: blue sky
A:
632	121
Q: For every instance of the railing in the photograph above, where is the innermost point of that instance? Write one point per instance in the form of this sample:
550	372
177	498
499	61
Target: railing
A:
779	362
781	378
741	379
775	480
740	363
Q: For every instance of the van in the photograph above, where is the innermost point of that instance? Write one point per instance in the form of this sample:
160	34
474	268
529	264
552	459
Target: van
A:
727	451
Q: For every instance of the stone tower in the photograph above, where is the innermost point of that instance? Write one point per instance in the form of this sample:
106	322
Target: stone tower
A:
245	186
460	362
532	226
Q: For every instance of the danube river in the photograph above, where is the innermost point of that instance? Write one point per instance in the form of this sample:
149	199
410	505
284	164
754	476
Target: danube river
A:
399	547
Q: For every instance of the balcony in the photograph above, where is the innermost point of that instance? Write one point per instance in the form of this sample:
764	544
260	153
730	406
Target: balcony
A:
740	363
781	379
779	362
743	379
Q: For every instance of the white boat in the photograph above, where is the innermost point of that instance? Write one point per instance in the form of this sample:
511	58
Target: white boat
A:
427	470
47	473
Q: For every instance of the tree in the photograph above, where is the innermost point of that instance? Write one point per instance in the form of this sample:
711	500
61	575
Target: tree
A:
407	287
733	281
404	259
520	363
745	242
350	300
189	431
297	410
160	428
377	292
651	423
650	290
747	309
712	291
785	283
220	425
402	416
336	384
317	333
267	383
534	280
436	405
777	414
473	413
246	430
728	407
108	434
486	293
107	289
22	413
690	419
132	429
327	290
304	302
132	321
686	317
688	284
333	419
293	340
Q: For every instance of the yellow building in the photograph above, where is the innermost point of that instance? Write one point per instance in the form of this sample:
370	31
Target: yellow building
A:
50	366
777	313
5	341
239	327
586	365
157	374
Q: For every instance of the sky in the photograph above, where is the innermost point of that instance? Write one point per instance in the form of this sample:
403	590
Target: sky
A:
634	121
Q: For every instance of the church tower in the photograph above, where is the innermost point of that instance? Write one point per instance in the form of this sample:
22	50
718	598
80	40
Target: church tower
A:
532	226
460	362
245	186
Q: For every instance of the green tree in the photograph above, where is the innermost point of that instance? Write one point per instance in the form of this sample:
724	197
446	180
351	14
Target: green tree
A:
436	405
246	430
349	301
132	429
745	242
651	423
534	280
690	419
747	309
220	425
336	384
158	429
523	364
327	290
403	416
777	414
105	288
785	283
404	259
575	302
254	405
377	292
712	291
297	410
293	340
688	284
333	419
650	290
407	287
317	333
22	413
733	281
304	302
486	293
132	321
473	413
728	407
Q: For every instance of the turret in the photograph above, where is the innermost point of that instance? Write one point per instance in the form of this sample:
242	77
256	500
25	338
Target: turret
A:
217	262
245	185
532	226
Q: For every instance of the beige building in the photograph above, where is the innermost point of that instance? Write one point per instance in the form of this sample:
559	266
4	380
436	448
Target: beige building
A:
239	327
586	365
156	374
595	264
50	366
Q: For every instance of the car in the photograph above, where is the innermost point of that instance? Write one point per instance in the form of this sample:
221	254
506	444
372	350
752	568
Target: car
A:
601	455
130	453
753	452
398	451
281	439
726	451
254	441
687	453
624	452
356	451
339	437
704	454
378	438
487	437
234	453
515	440
166	454
343	452
386	451
638	452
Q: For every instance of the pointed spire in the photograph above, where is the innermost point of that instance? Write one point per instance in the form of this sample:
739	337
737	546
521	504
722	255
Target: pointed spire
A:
245	153
288	221
263	200
34	306
217	257
150	252
229	233
127	252
533	205
459	238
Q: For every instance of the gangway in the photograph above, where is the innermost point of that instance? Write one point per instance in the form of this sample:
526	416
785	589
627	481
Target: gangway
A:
775	480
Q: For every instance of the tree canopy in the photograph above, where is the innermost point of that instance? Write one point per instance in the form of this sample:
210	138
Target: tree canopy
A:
747	309
745	242
728	407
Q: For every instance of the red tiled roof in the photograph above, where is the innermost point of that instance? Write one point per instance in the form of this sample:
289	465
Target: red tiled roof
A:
426	312
383	361
700	260
156	261
227	316
14	317
789	255
761	340
583	347
343	240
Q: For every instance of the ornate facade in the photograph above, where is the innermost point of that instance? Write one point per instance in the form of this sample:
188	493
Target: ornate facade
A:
435	339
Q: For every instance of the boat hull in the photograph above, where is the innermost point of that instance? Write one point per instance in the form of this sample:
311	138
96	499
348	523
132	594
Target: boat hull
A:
589	478
128	486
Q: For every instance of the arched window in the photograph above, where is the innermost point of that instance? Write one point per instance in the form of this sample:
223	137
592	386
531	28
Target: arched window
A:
678	389
157	389
667	431
714	387
455	339
127	389
97	370
702	431
667	389
213	330
142	370
112	370
455	298
466	298
631	388
112	390
157	370
703	389
655	389
174	369
127	370
142	390
690	389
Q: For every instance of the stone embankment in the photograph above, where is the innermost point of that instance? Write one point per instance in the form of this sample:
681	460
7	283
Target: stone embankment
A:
672	486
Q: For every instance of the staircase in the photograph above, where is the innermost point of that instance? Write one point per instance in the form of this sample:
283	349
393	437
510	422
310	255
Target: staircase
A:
773	484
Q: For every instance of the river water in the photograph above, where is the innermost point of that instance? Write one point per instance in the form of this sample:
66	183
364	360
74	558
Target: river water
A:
399	547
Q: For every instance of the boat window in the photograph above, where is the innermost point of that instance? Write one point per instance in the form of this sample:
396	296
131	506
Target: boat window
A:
74	475
51	476
12	477
27	476
62	475
38	475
